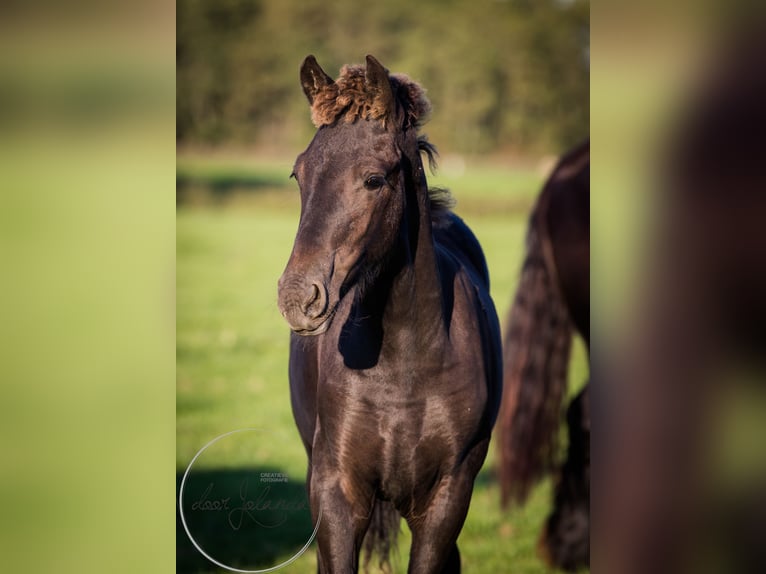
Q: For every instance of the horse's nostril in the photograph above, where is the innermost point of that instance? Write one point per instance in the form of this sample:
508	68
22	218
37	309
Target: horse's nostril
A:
313	295
314	305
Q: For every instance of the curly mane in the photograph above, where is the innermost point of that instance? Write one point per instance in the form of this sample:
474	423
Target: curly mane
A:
350	98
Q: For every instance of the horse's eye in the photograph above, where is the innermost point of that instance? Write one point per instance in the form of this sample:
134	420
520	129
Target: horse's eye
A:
374	182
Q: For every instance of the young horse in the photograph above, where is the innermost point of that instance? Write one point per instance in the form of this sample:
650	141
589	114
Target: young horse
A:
553	295
396	392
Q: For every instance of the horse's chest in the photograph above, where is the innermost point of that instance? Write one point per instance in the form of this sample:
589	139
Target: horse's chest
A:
400	436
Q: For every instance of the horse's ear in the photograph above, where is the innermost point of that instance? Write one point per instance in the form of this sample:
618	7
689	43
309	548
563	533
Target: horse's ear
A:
376	78
313	78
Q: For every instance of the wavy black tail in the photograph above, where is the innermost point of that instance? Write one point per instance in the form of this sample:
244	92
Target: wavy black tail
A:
381	535
535	360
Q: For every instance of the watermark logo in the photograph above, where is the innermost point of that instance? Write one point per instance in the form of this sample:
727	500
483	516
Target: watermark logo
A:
251	520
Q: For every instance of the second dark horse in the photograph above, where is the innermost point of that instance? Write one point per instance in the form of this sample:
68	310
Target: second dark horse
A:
553	297
396	392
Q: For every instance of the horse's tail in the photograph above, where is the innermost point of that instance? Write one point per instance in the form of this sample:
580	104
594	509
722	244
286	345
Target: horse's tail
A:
535	360
381	534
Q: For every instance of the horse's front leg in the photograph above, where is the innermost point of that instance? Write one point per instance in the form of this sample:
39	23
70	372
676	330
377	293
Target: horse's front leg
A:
344	516
436	526
435	531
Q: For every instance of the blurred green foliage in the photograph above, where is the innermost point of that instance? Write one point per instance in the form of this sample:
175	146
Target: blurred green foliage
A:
501	75
87	334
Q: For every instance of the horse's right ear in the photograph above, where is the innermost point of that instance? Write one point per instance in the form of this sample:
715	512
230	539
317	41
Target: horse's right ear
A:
313	78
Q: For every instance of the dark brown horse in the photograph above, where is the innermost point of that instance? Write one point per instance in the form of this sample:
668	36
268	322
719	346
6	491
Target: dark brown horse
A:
396	392
553	297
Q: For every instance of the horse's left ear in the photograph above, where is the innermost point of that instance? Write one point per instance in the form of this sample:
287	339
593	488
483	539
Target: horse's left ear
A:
376	78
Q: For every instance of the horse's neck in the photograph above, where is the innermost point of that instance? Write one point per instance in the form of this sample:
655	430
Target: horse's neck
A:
415	299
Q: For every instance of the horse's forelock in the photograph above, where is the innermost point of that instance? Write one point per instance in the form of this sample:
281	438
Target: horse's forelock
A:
350	98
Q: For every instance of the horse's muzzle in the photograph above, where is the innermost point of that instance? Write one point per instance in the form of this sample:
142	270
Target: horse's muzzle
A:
304	304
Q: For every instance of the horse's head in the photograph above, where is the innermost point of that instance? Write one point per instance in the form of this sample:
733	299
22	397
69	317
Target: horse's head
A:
353	179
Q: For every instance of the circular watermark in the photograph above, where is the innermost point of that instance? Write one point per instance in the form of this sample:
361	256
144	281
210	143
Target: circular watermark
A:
245	519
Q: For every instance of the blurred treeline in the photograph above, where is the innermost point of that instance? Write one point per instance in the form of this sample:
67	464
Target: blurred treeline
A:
507	75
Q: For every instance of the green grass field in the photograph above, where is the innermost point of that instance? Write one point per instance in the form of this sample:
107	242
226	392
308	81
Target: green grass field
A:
235	226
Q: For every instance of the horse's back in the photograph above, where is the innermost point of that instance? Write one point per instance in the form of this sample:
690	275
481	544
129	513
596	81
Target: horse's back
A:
453	235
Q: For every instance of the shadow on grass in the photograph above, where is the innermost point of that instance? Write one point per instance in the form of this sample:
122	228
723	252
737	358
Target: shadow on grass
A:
245	518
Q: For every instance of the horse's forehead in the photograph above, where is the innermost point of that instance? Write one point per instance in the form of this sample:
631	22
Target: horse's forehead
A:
349	144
